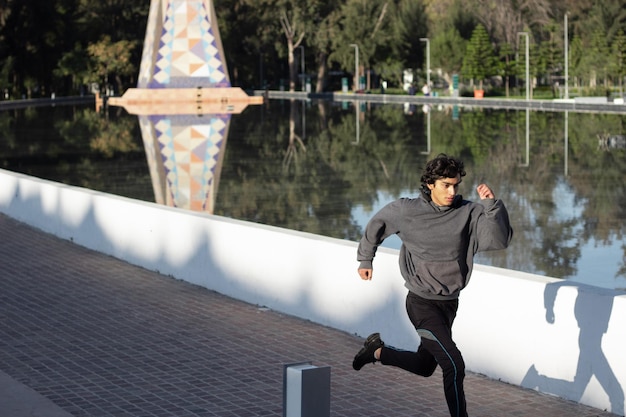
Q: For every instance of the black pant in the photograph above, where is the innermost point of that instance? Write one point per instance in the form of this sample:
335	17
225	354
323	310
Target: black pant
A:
433	321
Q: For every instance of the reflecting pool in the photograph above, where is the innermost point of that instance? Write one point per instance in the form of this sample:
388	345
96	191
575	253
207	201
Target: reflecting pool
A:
325	167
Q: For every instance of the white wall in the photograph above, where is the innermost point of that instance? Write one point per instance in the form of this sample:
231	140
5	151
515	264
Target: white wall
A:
502	327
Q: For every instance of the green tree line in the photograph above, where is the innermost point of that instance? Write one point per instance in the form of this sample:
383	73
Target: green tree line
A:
65	46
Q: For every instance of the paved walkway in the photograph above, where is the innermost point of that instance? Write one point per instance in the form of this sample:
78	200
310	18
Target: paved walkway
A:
84	334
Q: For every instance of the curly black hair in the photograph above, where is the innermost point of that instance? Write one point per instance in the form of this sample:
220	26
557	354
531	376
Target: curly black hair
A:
443	166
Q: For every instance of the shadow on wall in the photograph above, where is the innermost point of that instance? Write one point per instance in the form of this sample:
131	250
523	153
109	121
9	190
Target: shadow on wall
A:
282	269
592	361
315	278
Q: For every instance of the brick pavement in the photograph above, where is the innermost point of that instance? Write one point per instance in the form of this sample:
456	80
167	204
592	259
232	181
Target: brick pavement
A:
99	337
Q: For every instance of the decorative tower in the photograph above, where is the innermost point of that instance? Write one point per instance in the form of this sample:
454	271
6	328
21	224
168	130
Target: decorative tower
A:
182	48
184	101
183	68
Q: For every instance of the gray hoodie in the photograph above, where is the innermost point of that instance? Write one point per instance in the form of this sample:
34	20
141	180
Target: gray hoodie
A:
438	243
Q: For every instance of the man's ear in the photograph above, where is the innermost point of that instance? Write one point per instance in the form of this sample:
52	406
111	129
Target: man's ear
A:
430	186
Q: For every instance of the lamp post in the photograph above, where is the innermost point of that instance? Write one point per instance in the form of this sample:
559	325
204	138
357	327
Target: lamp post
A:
356	66
427	60
566	42
301	47
527	68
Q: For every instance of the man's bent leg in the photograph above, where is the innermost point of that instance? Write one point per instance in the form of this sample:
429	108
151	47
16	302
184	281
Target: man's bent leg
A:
449	358
433	321
420	362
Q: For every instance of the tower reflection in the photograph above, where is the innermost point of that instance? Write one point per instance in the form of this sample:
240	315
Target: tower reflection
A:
185	155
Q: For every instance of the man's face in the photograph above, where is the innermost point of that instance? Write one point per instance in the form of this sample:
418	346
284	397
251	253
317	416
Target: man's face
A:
444	190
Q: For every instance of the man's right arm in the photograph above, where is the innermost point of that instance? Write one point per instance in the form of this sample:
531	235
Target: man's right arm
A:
379	227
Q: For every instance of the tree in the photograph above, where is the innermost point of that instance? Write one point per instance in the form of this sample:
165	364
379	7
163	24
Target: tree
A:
506	65
575	62
537	65
607	17
112	58
324	26
505	18
365	24
551	59
293	29
410	23
286	23
75	66
450	29
597	58
402	48
114	24
447	51
118	19
479	58
34	35
618	48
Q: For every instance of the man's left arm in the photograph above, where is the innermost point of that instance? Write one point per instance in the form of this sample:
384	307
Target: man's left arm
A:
494	229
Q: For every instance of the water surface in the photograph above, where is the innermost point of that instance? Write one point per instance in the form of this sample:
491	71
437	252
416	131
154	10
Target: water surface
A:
325	167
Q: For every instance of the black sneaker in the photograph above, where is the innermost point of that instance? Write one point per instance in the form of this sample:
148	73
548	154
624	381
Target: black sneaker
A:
366	354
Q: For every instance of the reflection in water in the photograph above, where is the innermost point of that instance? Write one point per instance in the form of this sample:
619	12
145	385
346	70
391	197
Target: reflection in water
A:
185	156
565	151
296	165
527	160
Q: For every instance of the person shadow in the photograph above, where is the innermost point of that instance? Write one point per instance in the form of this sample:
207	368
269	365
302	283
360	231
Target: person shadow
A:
592	313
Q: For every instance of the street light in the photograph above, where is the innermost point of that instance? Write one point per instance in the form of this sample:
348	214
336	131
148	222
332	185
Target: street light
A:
566	42
301	47
356	66
427	60
527	68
